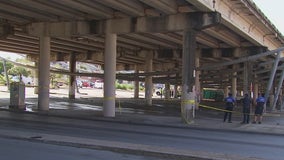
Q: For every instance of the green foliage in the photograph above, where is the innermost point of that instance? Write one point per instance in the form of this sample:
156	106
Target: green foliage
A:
124	86
2	79
23	60
17	70
56	76
9	65
83	67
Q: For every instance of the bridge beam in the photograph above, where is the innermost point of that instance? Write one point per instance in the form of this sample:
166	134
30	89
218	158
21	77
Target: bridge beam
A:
177	22
239	23
5	30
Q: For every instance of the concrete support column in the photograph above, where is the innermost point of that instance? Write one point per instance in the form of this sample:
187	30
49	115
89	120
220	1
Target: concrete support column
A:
188	79
255	91
6	75
246	78
44	73
109	73
36	73
167	91
271	99
176	87
148	80
226	91
197	79
175	91
72	78
234	85
136	85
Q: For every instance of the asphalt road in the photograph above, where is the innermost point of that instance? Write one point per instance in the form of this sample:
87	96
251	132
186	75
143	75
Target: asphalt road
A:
269	147
26	150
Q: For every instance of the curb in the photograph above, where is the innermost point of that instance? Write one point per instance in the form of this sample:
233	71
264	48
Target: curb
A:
129	121
120	147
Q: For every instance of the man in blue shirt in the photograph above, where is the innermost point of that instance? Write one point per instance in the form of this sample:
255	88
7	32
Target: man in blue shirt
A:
260	101
230	102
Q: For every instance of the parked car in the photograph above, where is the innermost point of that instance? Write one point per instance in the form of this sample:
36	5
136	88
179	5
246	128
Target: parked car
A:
85	84
92	84
79	83
25	80
99	84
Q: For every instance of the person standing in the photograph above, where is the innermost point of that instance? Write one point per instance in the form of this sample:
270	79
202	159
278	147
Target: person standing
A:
260	101
246	108
230	102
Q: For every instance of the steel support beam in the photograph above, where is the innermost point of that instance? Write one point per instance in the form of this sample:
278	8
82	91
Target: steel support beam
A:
279	87
271	78
240	60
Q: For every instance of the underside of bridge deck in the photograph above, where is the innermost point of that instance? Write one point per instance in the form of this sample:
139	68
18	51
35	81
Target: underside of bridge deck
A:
225	30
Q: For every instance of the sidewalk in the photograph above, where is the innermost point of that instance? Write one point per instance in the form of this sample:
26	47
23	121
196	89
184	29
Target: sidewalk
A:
163	112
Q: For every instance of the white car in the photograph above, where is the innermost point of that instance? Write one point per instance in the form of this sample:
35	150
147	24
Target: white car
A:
79	83
99	84
25	80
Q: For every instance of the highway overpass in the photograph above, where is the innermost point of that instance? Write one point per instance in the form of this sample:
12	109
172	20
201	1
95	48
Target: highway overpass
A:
192	43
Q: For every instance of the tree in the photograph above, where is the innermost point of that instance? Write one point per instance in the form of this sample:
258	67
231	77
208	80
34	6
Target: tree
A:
19	71
9	65
2	79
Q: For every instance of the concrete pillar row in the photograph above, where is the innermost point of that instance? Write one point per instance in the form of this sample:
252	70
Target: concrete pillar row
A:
109	73
44	73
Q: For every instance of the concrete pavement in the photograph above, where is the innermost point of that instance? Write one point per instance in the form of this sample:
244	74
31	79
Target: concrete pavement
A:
162	113
124	147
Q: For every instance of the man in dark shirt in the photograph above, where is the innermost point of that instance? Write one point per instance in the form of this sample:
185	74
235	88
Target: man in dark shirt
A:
246	108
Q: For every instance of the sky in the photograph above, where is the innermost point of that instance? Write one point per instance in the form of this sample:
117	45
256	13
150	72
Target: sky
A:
272	9
9	55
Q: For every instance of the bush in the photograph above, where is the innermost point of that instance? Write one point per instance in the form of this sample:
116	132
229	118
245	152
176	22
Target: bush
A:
124	86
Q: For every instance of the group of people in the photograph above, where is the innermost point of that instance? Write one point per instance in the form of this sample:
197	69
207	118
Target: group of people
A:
246	103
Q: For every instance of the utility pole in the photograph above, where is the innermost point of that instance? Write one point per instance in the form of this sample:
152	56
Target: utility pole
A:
6	74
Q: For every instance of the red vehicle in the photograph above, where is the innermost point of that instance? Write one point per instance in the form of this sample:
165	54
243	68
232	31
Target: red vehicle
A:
85	84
